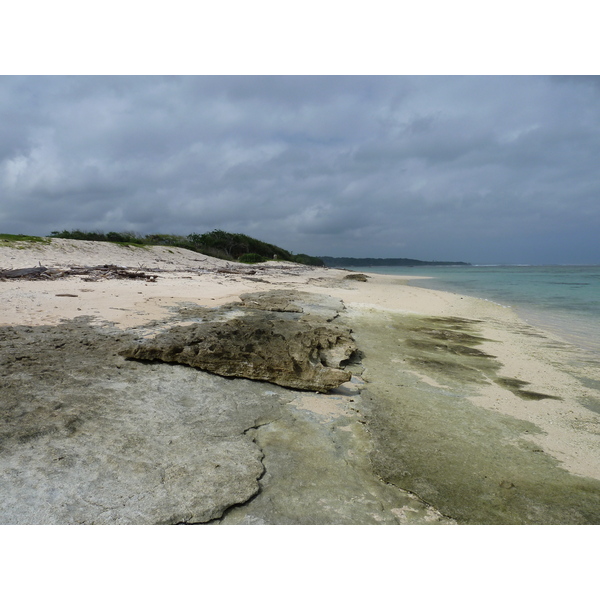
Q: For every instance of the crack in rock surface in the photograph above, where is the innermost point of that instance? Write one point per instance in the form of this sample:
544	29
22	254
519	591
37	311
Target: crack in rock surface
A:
318	472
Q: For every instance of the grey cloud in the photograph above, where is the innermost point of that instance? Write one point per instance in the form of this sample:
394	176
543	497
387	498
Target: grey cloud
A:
465	168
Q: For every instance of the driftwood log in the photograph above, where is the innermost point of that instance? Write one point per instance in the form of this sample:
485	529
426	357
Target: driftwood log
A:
93	273
29	273
237	272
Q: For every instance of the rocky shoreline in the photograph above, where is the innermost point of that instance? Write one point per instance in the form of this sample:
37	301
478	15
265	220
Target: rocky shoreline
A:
297	397
91	437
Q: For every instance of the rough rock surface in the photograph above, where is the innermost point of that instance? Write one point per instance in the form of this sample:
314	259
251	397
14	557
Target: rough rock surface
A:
357	277
272	341
318	472
87	437
317	305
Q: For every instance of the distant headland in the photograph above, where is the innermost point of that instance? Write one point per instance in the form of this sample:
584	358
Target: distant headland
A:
330	261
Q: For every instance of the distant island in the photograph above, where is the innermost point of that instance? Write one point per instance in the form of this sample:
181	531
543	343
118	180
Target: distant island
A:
330	261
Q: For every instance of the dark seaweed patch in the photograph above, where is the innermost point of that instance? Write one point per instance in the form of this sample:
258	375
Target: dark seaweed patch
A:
468	351
459	349
452	335
448	368
445	346
516	387
452	320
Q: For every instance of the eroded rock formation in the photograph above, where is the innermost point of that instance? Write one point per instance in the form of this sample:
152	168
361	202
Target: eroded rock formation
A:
272	340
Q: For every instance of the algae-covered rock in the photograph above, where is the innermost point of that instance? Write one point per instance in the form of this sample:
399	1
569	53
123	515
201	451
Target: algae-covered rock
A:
279	336
303	354
357	277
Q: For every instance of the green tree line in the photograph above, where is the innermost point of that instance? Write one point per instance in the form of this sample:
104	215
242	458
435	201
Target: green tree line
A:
346	261
217	243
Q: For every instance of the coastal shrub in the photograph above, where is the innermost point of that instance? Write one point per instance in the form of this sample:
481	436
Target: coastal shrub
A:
163	239
251	258
237	244
304	259
77	234
125	237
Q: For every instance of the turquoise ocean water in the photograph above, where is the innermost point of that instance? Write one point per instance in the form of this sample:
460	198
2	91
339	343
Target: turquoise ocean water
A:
562	299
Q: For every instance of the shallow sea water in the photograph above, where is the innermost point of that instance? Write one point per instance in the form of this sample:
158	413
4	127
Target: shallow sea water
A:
564	300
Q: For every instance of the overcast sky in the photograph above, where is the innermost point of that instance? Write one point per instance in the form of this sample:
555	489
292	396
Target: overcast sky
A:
484	169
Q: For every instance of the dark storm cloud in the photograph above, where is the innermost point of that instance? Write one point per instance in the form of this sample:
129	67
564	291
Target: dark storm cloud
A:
484	169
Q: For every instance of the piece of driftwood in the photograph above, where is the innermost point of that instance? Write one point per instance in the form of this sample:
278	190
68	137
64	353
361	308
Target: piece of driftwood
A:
93	273
236	272
15	273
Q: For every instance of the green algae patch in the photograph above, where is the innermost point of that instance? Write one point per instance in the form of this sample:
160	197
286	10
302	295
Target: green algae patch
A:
473	464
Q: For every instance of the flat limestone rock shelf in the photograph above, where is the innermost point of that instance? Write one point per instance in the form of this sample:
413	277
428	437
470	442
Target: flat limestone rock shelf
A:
318	472
89	438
